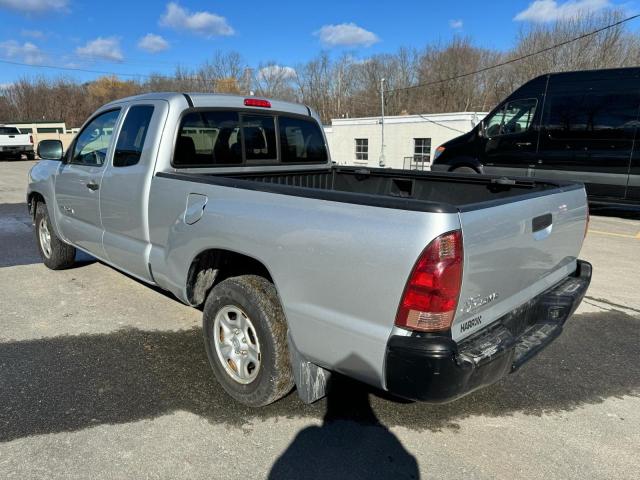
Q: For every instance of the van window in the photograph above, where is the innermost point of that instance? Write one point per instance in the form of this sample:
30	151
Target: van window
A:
208	139
301	141
259	137
515	116
592	116
132	135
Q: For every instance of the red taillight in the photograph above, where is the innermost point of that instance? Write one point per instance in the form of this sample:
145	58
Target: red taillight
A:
431	296
257	102
31	139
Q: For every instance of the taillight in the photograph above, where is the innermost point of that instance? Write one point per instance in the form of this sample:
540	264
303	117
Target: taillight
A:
257	102
431	295
31	139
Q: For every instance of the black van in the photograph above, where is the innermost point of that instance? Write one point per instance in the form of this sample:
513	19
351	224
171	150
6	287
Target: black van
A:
571	126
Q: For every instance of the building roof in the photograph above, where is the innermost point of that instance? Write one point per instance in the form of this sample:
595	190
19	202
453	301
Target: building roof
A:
419	118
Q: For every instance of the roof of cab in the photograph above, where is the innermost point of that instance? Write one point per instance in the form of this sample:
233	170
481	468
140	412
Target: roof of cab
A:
216	100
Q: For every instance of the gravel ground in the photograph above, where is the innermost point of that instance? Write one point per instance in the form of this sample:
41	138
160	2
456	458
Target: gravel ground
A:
103	377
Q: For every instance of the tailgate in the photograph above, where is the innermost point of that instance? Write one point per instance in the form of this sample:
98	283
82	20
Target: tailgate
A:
17	140
514	251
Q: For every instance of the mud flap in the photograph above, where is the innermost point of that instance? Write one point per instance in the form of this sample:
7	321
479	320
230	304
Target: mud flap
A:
311	380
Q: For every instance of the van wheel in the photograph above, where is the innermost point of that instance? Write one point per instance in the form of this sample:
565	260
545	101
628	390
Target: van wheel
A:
245	335
54	252
464	170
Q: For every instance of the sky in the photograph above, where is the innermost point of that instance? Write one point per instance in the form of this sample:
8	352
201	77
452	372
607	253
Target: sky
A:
136	37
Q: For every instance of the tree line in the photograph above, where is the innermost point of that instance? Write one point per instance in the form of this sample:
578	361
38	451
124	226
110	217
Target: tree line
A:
416	80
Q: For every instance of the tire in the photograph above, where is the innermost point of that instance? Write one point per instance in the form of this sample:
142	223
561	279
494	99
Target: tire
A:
31	156
55	254
466	170
227	334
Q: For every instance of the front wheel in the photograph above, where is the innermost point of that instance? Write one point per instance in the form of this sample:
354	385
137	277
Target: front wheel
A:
54	252
245	335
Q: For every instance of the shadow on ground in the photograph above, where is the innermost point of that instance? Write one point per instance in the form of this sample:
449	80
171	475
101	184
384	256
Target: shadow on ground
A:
73	382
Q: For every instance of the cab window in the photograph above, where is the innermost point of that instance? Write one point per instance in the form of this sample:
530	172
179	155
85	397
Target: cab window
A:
132	136
208	139
93	141
301	141
514	117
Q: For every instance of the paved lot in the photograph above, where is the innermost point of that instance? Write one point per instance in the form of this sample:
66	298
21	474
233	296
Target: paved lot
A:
102	377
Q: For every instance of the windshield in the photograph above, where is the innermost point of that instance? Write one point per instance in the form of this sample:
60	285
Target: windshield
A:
9	131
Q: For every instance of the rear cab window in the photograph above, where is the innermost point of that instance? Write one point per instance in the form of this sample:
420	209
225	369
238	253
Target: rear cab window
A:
9	131
223	138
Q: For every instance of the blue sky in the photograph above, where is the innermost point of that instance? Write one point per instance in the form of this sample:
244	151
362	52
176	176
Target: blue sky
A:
139	37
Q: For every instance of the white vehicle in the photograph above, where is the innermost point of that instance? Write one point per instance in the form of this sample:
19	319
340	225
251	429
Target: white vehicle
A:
14	144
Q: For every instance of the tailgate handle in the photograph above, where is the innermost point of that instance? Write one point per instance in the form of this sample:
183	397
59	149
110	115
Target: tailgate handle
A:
541	222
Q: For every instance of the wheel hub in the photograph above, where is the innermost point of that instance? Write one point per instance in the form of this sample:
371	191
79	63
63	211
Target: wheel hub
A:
45	237
237	345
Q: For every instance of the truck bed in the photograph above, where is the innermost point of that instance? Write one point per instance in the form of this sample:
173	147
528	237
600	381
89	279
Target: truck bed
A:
402	189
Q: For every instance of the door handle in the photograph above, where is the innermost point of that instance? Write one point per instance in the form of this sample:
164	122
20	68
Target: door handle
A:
523	144
93	186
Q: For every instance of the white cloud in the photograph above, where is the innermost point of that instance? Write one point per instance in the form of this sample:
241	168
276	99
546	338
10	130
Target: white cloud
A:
202	23
32	33
273	72
552	10
346	34
26	52
35	6
107	48
456	24
153	43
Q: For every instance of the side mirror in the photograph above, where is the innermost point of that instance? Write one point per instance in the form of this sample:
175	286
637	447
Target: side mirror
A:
50	150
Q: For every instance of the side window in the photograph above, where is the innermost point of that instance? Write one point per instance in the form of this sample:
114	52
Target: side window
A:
607	116
362	149
93	141
514	117
208	139
301	141
259	136
132	136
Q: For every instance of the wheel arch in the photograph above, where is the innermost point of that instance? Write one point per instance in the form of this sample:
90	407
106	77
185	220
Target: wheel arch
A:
213	265
466	162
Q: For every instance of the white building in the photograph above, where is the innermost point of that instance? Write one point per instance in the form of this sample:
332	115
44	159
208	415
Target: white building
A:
410	140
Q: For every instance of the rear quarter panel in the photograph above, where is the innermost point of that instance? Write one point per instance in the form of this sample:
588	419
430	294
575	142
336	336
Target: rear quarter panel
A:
339	268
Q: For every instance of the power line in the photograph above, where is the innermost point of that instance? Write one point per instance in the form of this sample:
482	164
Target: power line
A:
74	69
513	60
440	124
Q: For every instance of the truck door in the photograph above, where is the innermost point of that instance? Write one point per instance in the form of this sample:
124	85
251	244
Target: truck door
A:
587	135
510	138
78	183
124	197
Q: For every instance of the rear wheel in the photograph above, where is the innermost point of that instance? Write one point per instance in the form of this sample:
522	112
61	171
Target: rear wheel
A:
54	252
464	170
245	336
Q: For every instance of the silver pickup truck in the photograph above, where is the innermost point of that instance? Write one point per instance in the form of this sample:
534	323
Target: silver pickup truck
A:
426	285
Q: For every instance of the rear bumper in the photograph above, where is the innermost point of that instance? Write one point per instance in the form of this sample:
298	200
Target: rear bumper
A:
16	149
437	369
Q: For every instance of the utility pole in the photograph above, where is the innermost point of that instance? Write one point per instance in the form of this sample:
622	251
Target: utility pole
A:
382	121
